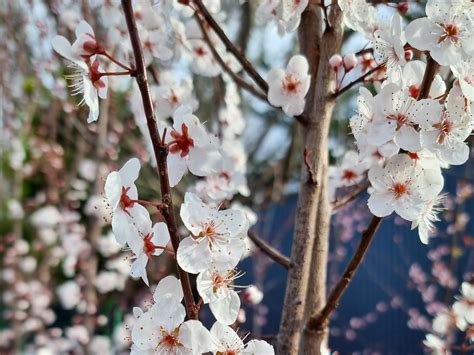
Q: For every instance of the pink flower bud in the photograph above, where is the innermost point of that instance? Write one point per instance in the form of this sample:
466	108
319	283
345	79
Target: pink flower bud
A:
335	62
408	55
350	61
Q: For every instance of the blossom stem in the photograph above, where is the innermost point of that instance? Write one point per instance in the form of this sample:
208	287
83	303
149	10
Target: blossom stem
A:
248	67
158	205
160	151
359	80
120	73
123	66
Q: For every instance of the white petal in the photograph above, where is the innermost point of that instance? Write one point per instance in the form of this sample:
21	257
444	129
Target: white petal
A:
226	309
129	172
169	285
193	257
176	168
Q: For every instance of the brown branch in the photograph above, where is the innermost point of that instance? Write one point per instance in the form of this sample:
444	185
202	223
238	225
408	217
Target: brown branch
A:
318	321
238	80
359	80
351	195
428	77
270	251
248	67
160	151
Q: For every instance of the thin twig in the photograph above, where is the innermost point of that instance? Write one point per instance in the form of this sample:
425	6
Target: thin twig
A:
160	151
318	321
270	251
350	196
359	80
248	67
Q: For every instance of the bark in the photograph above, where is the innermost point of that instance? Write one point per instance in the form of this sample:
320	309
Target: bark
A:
317	48
316	295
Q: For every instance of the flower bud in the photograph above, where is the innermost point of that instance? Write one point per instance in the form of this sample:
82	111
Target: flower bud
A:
335	62
408	55
350	61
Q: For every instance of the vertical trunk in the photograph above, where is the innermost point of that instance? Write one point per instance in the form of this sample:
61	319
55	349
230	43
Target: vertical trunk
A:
316	295
308	244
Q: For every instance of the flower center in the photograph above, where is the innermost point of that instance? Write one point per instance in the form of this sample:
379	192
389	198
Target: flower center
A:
169	340
148	246
400	118
291	84
398	189
444	127
200	51
451	32
182	142
348	175
413	91
125	201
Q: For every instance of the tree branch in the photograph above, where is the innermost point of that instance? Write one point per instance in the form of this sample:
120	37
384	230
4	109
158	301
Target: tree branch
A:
270	251
351	195
248	67
160	151
318	321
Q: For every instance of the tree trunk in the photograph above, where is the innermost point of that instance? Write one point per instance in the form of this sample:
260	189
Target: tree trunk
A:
317	48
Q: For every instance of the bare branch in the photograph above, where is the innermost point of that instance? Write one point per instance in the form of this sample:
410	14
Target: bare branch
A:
270	251
351	195
319	321
160	151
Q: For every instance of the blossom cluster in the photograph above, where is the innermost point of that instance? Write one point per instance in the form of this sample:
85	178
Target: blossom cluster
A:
412	127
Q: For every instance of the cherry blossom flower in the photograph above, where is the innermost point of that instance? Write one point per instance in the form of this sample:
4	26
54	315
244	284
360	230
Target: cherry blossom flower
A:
464	307
350	172
162	330
429	214
217	289
403	187
436	344
204	62
252	295
146	242
464	72
121	192
446	32
289	14
395	118
445	129
217	237
87	79
228	342
288	88
171	94
190	147
388	47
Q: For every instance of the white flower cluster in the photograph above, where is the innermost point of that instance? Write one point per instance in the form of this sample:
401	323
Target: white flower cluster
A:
458	317
405	140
